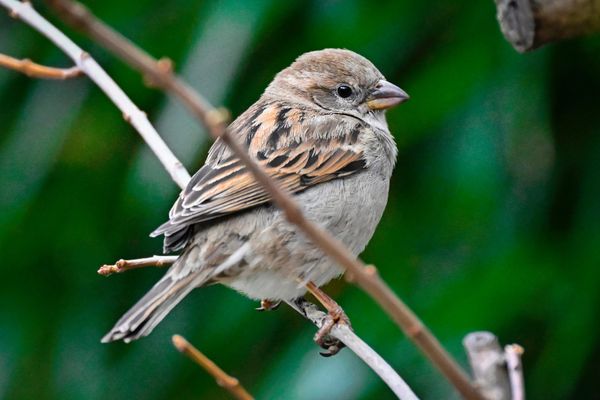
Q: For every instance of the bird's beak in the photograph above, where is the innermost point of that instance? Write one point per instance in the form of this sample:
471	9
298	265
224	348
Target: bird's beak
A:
386	95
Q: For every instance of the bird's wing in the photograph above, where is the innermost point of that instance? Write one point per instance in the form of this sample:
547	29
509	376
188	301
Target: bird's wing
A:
225	186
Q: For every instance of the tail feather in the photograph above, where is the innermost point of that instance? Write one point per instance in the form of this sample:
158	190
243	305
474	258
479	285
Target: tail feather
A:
179	280
143	317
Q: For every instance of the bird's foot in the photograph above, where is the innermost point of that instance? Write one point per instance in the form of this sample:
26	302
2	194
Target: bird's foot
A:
331	344
323	338
268	305
335	315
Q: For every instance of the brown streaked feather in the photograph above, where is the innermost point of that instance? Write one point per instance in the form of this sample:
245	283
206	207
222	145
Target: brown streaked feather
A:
297	161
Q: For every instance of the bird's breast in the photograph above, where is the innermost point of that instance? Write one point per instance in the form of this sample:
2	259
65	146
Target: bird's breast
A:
350	208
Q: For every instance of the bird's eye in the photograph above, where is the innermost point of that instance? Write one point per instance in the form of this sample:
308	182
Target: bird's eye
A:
344	91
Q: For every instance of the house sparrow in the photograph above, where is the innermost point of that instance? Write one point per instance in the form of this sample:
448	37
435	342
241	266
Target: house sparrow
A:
319	130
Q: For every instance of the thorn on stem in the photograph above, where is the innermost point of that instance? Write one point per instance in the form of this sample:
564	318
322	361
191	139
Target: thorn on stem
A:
165	65
414	330
371	270
79	11
218	117
158	78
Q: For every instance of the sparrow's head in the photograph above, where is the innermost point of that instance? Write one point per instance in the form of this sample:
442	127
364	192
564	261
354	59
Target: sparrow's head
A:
338	81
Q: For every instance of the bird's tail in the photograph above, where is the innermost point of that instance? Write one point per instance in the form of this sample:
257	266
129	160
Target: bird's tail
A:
143	317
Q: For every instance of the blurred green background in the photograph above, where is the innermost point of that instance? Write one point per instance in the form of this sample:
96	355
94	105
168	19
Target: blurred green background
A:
493	220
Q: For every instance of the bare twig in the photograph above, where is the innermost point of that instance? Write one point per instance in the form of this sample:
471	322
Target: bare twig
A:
343	333
34	70
126	265
513	353
131	113
487	362
215	121
123	265
528	24
308	310
228	382
158	73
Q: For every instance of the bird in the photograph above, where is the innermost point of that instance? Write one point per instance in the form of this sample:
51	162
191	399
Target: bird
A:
320	131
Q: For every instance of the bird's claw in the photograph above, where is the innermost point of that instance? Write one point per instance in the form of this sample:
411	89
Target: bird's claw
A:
331	345
323	337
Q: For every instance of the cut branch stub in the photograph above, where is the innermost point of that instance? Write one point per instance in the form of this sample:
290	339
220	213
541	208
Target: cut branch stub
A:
488	364
528	24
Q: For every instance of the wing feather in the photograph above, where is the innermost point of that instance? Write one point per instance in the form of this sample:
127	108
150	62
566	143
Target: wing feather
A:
224	186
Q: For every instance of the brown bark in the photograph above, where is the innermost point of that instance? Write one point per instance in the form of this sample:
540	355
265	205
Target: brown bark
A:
529	24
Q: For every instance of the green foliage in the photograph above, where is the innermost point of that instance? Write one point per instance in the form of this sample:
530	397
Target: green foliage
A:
492	221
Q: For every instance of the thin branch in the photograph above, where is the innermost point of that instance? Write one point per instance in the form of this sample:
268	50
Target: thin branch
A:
513	353
132	114
488	364
33	70
228	382
126	265
343	333
215	120
158	261
158	73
